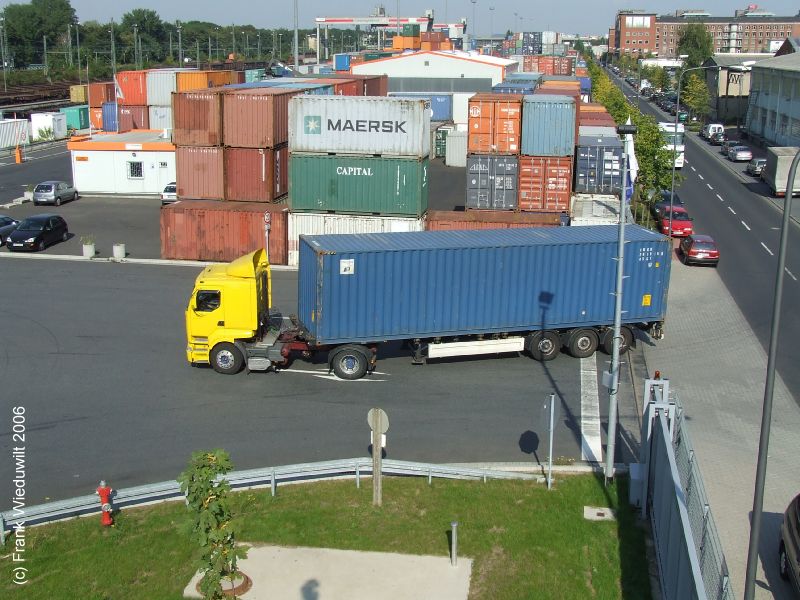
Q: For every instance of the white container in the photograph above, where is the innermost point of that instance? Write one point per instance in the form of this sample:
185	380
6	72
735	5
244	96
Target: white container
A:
461	107
360	125
14	132
54	122
594	209
456	150
549	37
160	85
597	131
323	224
160	117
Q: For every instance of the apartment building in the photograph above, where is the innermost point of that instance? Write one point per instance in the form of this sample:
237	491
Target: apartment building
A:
634	33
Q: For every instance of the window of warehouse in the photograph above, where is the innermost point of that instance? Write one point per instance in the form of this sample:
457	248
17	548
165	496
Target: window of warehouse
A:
135	170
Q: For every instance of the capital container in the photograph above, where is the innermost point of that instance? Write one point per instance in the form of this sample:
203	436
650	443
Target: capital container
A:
360	125
200	172
393	286
100	93
446	220
358	184
110	116
256	174
133	117
132	88
77	116
160	117
495	123
545	183
548	125
257	118
492	182
514	87
221	231
326	224
197	117
598	165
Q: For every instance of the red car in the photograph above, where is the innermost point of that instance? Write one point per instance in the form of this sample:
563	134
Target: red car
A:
699	250
681	222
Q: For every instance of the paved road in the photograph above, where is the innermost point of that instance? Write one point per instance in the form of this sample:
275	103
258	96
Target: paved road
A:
94	351
40	165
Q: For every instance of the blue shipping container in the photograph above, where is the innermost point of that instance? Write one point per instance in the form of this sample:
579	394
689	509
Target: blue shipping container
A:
385	286
341	62
110	116
586	84
548	125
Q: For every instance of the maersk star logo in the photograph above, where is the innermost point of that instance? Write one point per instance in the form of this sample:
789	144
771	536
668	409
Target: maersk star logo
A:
312	125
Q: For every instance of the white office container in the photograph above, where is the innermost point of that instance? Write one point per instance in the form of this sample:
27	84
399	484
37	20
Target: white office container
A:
14	132
48	126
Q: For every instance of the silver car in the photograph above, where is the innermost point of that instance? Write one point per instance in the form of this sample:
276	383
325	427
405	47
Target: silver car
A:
53	192
740	154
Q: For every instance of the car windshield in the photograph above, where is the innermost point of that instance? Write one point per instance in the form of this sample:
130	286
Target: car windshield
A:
31	225
704	246
677	215
43	187
169	189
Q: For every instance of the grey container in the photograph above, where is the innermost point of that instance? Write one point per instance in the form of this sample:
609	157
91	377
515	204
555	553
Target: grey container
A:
492	182
455	153
597	131
598	165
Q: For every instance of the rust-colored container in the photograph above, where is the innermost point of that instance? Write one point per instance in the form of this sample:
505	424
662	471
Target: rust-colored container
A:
255	174
344	87
548	84
593	107
133	86
133	117
222	231
198	80
200	172
545	183
197	118
257	117
444	220
494	123
373	85
581	72
597	119
96	117
239	76
101	92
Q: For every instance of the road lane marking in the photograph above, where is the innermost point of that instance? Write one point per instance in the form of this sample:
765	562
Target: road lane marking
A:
730	209
746	226
591	444
720	198
789	273
709	186
691	167
767	249
701	177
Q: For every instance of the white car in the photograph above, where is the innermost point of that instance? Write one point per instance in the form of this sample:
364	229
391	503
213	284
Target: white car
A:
170	194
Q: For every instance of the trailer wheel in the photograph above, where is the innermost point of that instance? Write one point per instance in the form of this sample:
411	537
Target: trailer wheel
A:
543	345
608	341
226	359
349	362
583	343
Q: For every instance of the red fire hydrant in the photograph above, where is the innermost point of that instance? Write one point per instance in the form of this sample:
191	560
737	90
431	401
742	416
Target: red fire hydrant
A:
105	491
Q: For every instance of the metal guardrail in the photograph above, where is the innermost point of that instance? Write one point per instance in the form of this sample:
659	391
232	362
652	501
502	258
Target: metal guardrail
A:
253	478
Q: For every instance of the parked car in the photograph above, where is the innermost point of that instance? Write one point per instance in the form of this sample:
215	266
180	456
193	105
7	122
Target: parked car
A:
53	192
756	166
789	546
7	225
681	222
710	129
740	154
38	232
170	194
699	250
727	145
717	139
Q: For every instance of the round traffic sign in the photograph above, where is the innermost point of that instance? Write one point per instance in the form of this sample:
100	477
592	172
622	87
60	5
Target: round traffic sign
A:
374	414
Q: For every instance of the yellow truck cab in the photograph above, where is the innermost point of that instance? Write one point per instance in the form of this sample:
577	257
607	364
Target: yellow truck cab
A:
228	306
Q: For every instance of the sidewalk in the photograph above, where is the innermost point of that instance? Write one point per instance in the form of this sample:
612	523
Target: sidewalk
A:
718	370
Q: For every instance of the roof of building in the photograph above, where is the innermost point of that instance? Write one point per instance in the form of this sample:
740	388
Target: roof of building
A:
136	140
756	18
787	62
792	44
450	54
736	59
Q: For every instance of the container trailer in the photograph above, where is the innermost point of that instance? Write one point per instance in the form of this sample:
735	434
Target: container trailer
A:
443	293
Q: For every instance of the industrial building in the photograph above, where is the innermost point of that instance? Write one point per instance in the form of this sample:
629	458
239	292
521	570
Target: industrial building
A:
729	87
773	114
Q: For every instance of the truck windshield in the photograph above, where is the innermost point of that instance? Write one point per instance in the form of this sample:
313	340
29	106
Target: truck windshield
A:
207	300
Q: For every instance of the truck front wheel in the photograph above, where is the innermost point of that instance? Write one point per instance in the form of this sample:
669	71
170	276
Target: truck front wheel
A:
226	359
349	362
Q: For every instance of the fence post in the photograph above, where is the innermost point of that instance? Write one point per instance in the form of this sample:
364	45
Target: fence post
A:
272	483
430	475
358	476
2	530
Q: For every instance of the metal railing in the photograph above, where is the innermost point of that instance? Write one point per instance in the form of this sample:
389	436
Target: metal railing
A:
253	478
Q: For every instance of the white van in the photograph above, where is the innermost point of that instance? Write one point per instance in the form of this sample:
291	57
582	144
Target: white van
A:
711	129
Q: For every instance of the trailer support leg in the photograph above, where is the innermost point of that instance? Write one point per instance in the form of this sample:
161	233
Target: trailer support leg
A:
417	358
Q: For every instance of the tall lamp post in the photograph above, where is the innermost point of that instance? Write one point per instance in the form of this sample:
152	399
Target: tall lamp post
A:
769	388
491	25
296	44
675	134
78	42
612	395
180	44
3	50
472	24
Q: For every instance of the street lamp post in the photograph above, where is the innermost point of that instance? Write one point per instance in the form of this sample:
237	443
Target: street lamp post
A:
78	42
259	45
296	45
472	24
3	50
113	51
491	22
180	44
135	46
769	388
69	43
280	47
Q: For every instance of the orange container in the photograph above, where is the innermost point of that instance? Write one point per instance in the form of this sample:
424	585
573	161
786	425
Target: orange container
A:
198	80
197	118
593	107
494	123
200	172
101	92
255	174
545	183
96	117
133	85
257	117
558	83
446	220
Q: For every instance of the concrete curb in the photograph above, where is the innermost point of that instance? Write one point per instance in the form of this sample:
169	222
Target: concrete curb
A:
15	202
133	261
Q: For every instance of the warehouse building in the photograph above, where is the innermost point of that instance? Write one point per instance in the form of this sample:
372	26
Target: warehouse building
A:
729	88
773	114
137	162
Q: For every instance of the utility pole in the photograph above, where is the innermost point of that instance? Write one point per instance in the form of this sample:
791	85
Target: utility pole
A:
209	49
69	43
197	54
259	45
180	45
296	47
135	46
3	50
78	41
44	38
113	51
170	43
233	39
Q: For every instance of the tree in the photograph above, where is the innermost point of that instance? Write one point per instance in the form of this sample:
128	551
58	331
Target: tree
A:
211	525
696	43
695	95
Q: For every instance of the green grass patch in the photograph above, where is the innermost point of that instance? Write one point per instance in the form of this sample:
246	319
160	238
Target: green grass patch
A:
526	542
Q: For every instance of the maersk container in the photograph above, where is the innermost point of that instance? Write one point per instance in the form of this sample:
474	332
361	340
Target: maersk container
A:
360	125
393	286
358	184
548	125
110	116
598	165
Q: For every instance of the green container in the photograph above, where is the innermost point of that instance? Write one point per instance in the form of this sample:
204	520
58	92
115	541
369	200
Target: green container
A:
440	145
411	30
77	116
358	184
253	75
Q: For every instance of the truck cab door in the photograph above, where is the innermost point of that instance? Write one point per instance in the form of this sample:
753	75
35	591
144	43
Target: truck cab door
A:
205	314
